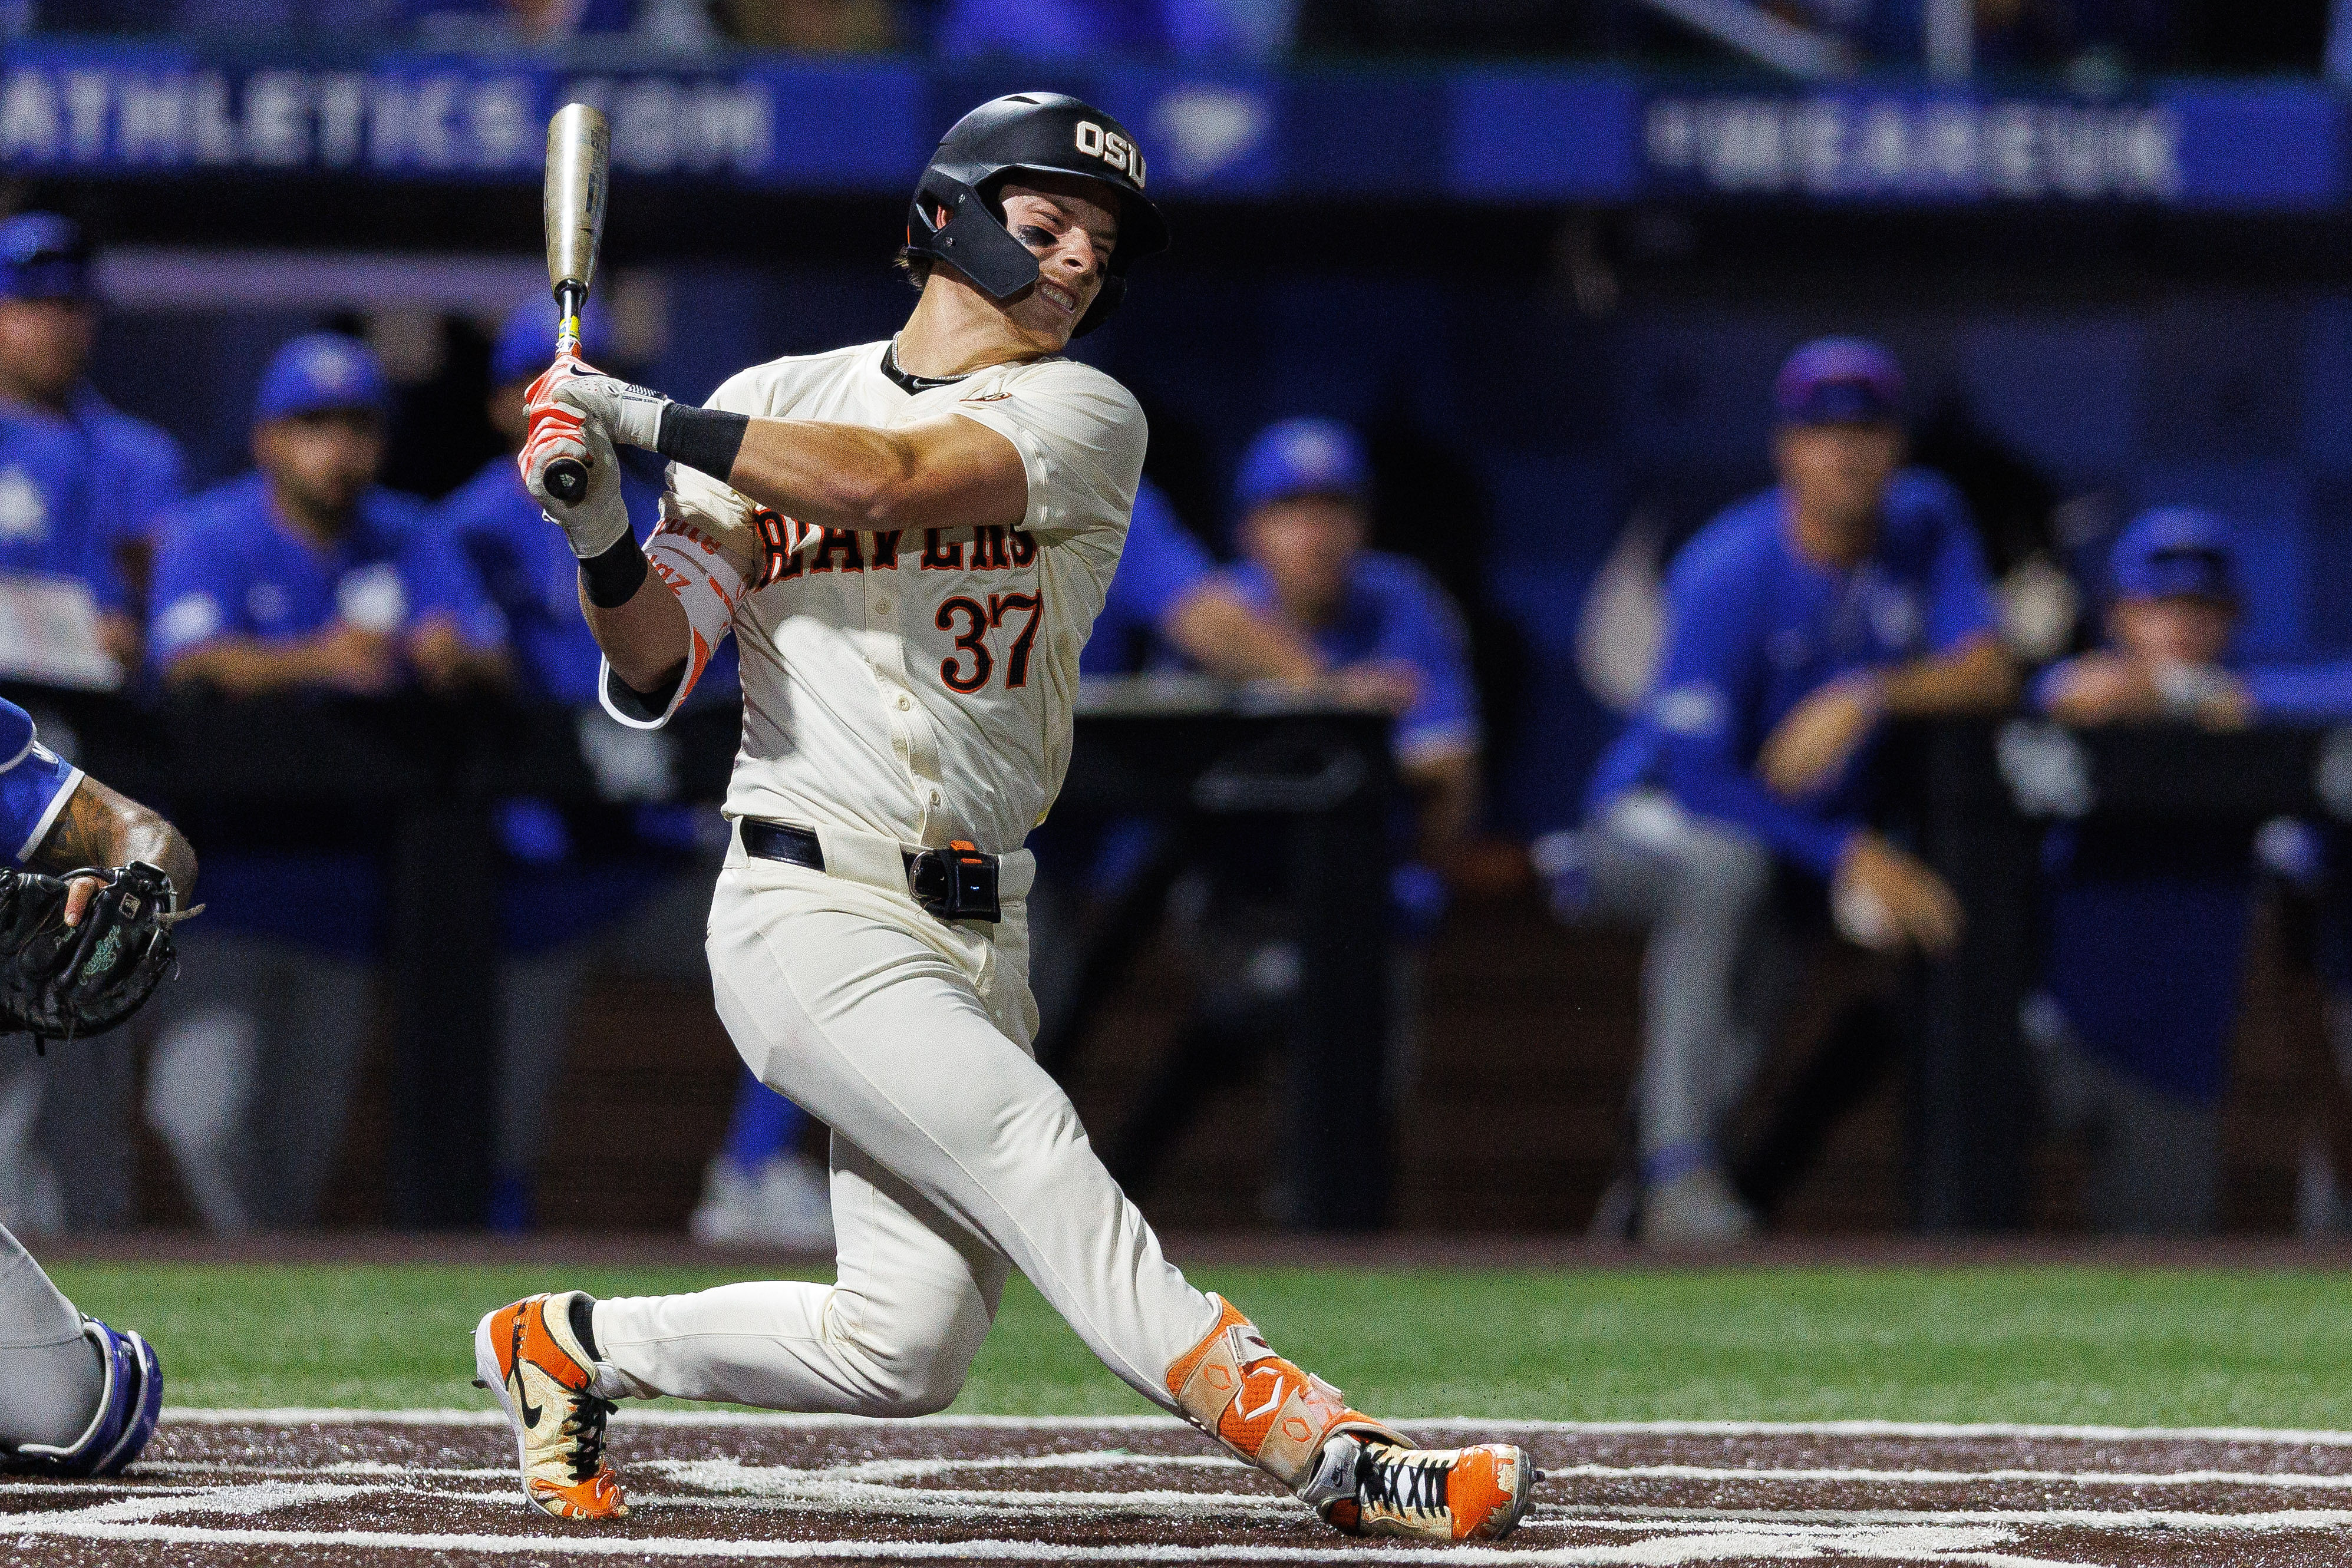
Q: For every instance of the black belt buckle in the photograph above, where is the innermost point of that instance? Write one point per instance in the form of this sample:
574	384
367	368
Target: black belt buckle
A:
957	883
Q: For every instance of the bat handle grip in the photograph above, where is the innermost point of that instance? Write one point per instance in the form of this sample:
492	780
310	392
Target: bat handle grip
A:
567	477
571	299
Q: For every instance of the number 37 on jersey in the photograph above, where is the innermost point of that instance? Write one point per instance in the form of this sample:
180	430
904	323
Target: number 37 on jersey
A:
992	631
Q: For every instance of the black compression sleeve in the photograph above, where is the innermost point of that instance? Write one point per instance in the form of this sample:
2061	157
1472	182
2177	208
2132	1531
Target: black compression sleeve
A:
613	577
646	707
704	439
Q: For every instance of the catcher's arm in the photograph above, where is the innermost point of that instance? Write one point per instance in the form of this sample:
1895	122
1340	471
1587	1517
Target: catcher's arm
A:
104	827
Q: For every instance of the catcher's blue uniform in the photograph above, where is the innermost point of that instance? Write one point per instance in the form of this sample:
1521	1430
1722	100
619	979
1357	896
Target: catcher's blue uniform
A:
34	783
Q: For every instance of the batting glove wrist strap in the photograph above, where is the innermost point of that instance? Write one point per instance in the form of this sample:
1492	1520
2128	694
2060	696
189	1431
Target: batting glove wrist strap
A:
704	439
631	416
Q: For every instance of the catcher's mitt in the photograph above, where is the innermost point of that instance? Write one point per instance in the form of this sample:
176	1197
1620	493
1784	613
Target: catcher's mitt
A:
59	981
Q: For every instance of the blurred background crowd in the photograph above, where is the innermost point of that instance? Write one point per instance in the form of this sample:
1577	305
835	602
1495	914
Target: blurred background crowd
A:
1666	534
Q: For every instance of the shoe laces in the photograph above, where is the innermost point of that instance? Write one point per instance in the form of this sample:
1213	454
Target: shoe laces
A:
585	1428
1402	1481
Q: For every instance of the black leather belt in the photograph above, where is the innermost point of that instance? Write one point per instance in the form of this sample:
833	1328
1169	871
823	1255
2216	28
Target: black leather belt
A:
957	883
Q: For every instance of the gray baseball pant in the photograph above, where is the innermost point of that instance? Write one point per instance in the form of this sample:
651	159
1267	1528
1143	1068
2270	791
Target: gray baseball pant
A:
50	1379
1719	968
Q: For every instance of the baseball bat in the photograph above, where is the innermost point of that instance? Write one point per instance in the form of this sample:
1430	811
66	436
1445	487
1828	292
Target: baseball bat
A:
578	169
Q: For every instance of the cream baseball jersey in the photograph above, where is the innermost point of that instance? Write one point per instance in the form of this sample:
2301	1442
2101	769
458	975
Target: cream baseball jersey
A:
919	683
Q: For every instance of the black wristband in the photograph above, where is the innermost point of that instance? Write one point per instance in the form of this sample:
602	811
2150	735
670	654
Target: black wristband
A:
613	577
705	439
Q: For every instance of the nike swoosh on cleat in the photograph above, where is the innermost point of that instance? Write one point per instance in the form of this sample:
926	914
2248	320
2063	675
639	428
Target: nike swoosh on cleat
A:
530	1413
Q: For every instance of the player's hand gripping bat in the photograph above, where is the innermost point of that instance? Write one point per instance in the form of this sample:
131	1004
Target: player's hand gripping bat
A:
579	168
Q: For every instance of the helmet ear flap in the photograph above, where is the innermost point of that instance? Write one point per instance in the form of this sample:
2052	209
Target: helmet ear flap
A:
950	221
1107	299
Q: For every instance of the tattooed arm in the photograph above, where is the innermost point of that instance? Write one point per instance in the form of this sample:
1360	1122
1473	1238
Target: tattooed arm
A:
103	827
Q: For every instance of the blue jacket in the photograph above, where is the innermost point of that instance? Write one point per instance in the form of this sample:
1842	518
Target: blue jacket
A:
1754	629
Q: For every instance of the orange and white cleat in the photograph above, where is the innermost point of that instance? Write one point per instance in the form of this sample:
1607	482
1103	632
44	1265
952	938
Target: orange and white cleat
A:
1361	1475
533	1355
1366	1486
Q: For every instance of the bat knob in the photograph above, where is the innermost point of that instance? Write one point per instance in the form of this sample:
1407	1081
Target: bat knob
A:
567	480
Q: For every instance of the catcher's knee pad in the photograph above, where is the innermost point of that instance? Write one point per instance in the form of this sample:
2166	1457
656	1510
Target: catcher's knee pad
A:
128	1405
1232	1387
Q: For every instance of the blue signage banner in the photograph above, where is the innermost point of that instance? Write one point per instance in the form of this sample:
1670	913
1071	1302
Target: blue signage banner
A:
2259	147
137	110
1481	134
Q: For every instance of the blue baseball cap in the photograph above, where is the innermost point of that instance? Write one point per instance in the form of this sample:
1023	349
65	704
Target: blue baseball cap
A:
1302	457
321	371
1839	381
2174	550
43	257
526	342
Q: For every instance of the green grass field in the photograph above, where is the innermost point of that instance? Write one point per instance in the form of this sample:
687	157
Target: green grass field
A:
2077	1344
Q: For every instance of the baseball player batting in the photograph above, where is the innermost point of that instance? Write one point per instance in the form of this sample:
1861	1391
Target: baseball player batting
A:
909	540
80	952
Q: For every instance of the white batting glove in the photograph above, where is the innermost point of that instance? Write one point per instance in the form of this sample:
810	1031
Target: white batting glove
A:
631	415
600	518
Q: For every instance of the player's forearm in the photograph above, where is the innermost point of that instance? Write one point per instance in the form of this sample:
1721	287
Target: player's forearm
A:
1979	677
647	638
103	827
875	481
1223	635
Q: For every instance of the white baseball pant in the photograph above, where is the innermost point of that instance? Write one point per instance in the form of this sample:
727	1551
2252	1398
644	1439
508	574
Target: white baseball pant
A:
954	1155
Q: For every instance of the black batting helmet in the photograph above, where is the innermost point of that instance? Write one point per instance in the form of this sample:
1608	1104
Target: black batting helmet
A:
955	216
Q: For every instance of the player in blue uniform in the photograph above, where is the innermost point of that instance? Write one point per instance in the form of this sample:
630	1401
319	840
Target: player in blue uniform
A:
76	1397
304	575
81	483
2173	613
1378	622
2147	931
1851	592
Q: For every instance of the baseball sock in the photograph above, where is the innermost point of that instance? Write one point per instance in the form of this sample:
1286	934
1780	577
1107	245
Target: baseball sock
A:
50	1377
1232	1387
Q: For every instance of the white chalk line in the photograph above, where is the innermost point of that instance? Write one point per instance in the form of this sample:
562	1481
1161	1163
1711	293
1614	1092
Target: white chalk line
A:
296	1416
2282	1521
2270	1479
863	1469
